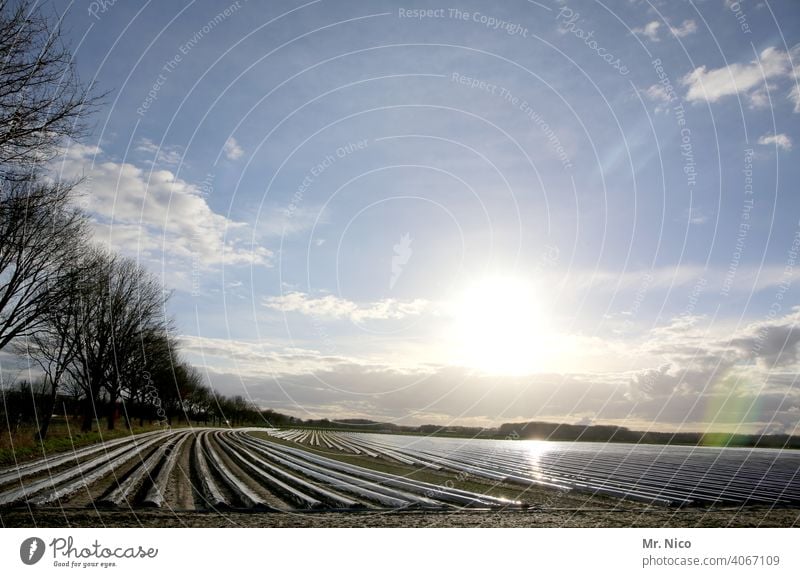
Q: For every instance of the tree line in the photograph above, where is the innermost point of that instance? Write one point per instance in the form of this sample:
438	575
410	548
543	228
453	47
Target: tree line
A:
617	434
93	322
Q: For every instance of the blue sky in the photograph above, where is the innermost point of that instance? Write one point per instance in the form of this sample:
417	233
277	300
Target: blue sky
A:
472	213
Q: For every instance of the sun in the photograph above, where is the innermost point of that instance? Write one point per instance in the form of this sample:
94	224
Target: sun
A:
500	327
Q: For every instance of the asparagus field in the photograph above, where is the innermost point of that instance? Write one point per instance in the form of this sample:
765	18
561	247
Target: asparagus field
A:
313	470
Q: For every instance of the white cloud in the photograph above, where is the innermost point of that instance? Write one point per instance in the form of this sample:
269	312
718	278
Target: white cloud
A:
657	93
759	99
334	307
232	149
778	140
794	95
259	358
649	30
742	78
690	371
682	31
677	281
687	365
154	214
281	220
774	342
167	155
661	96
632	280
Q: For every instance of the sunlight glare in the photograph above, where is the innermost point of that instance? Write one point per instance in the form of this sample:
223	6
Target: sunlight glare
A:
500	327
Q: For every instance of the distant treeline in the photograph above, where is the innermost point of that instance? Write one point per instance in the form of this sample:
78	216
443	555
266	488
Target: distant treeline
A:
614	434
170	400
558	432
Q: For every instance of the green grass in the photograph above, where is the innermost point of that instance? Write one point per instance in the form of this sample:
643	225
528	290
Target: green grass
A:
20	446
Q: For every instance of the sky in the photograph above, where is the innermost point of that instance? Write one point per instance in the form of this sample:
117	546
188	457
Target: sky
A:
471	213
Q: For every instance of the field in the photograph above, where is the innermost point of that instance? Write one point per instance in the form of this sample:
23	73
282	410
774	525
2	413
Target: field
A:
270	477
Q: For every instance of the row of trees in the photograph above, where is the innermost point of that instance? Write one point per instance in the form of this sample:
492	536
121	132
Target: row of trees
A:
161	401
92	321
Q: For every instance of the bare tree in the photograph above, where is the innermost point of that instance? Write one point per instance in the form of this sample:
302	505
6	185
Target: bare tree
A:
137	314
143	373
90	332
41	235
118	310
199	402
42	102
53	346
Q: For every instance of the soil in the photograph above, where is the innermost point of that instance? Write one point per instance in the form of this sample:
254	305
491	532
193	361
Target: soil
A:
651	518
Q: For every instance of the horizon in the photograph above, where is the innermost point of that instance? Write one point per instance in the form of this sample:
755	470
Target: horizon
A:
456	425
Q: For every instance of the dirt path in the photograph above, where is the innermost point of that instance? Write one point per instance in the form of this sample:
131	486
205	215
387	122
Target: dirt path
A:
512	519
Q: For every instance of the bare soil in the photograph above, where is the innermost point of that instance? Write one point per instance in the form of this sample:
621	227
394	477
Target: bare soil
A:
54	517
